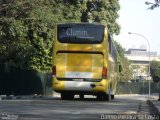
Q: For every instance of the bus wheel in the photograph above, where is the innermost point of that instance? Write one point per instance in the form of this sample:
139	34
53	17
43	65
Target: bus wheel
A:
99	97
112	96
81	96
107	97
65	96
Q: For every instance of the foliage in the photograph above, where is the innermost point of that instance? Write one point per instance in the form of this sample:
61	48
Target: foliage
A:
153	5
126	73
26	34
102	11
27	27
155	70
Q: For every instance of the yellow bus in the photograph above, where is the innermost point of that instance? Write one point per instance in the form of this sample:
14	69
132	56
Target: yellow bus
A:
84	61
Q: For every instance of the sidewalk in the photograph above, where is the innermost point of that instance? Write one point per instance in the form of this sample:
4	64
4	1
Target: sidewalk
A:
154	104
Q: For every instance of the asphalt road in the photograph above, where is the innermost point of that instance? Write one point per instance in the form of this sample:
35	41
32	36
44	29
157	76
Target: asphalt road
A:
57	109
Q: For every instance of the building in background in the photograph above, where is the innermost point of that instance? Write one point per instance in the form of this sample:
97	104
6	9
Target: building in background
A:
139	59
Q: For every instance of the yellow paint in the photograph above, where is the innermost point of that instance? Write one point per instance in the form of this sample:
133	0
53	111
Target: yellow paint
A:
58	85
81	62
101	86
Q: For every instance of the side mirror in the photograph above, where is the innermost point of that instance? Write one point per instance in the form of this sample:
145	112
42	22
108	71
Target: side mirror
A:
120	68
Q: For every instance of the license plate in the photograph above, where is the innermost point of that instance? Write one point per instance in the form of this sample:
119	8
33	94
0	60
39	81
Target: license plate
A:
79	75
78	79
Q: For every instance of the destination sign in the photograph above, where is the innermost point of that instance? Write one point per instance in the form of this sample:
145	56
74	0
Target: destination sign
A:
80	33
75	32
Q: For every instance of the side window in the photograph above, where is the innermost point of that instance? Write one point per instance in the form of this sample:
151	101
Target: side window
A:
109	44
112	49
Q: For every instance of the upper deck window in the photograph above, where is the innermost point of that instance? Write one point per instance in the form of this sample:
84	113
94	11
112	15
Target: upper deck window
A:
80	33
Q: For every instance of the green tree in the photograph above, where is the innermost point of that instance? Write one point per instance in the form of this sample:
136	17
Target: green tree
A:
27	27
126	73
153	5
102	11
155	73
155	70
26	34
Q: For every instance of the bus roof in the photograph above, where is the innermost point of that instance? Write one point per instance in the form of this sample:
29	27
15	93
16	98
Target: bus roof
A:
84	23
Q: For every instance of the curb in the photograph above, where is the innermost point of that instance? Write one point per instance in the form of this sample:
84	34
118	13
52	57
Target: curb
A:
154	109
38	97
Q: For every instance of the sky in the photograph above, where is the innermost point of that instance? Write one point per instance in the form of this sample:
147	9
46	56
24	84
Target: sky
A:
134	16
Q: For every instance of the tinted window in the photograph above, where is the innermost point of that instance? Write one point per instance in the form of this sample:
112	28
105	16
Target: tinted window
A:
80	33
112	49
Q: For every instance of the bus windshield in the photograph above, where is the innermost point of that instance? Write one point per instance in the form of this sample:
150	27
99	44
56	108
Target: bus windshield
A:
80	33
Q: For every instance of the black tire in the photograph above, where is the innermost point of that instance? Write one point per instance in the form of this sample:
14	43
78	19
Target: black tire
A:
112	97
81	96
107	97
99	97
67	96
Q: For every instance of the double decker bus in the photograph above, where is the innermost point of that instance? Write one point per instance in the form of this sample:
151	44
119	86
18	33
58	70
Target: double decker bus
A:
84	61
